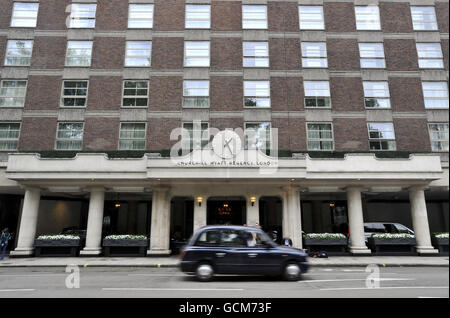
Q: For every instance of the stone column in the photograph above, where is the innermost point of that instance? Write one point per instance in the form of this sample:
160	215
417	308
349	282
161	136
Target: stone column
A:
292	224
252	211
28	223
160	227
420	220
95	223
200	212
356	221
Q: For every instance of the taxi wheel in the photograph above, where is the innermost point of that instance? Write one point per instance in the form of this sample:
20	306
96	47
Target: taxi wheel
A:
292	272
204	272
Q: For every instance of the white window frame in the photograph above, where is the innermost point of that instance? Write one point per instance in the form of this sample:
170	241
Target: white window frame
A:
376	95
6	140
14	17
372	58
85	97
255	57
320	58
247	19
427	96
430	57
132	139
134	96
366	20
193	143
326	96
148	13
302	16
442	141
424	24
257	96
9	47
198	57
320	140
81	15
140	57
78	56
15	96
187	96
197	20
381	139
68	139
268	145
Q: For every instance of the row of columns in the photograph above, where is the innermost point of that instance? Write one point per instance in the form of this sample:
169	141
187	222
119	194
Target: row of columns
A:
160	223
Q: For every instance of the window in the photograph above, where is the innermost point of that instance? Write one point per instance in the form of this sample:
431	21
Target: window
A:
435	94
381	136
254	17
232	238
79	53
209	238
424	18
135	94
256	54
372	55
69	136
140	16
438	136
82	15
196	54
311	17
9	136
12	93
132	136
256	93
195	136
197	16
317	94
376	95
430	55
74	94
258	136
24	15
138	54
367	18
314	54
196	94
18	53
320	136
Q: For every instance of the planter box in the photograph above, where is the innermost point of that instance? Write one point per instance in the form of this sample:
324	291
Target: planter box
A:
441	244
396	246
335	246
57	247
125	247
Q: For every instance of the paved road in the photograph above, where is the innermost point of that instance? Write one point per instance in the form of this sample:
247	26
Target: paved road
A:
169	282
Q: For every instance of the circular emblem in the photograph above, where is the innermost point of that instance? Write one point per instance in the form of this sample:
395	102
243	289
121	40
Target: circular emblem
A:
227	144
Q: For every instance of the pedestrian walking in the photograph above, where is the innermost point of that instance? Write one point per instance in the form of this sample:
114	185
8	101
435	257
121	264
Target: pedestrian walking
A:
4	238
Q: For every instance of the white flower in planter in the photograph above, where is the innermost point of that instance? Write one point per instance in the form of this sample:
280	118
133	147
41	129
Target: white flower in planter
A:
126	237
58	237
441	235
325	236
393	236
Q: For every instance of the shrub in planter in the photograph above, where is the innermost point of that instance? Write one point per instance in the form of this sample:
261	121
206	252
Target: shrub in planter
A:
325	242
440	241
125	245
393	243
59	244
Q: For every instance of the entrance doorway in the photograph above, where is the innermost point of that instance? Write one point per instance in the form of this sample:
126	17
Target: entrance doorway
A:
229	211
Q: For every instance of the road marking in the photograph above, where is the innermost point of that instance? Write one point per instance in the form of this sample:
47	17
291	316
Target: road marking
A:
173	289
30	275
353	270
16	290
158	275
381	288
351	279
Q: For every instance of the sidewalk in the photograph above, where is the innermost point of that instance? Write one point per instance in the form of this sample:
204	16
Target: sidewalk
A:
433	261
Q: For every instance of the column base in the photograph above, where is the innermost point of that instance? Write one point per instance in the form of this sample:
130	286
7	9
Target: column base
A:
91	252
159	252
22	252
361	251
426	250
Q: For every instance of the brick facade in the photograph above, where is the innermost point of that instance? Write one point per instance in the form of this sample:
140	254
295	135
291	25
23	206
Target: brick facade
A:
350	134
411	134
33	137
101	133
43	93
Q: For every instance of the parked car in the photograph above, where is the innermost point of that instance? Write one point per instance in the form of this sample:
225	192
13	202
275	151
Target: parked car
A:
239	250
393	228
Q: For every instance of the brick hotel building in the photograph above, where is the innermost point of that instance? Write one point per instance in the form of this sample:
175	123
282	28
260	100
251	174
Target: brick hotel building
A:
357	92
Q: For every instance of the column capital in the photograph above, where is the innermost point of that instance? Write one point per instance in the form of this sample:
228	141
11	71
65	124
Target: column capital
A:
418	187
160	188
96	189
31	188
